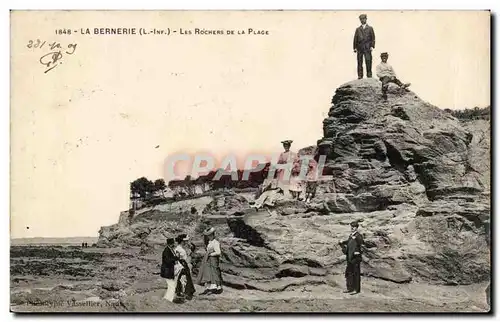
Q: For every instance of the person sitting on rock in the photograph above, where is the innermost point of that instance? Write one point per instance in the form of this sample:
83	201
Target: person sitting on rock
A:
270	193
386	74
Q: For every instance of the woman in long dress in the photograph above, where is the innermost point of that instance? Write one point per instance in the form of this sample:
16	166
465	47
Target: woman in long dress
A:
288	180
186	286
203	278
210	272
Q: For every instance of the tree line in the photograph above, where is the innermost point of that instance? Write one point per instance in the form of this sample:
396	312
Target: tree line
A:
469	114
207	182
146	189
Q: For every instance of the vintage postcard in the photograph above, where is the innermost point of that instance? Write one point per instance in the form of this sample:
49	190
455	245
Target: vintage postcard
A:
250	161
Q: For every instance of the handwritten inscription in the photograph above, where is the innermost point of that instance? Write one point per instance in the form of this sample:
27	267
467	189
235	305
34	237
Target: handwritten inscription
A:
53	58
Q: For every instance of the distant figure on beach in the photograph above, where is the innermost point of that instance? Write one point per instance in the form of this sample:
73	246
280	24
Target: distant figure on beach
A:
386	74
363	44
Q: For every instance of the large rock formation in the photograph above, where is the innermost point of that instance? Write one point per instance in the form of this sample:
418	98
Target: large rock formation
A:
415	176
395	151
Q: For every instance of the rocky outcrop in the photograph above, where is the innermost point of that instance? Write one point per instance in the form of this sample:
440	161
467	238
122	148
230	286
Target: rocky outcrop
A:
402	150
228	203
150	227
479	155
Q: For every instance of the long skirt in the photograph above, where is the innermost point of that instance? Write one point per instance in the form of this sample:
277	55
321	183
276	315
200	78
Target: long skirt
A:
215	272
210	271
186	282
204	272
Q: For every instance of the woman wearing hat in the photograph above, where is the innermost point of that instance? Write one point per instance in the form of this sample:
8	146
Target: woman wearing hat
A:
287	180
210	273
181	252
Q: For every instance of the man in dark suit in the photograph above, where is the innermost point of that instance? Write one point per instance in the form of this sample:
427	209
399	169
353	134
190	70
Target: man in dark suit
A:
352	248
168	261
363	44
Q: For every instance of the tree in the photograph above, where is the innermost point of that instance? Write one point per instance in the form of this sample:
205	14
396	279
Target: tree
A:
189	185
142	186
159	186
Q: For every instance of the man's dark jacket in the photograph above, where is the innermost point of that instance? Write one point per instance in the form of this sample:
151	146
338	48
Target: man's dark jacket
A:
364	38
168	259
352	245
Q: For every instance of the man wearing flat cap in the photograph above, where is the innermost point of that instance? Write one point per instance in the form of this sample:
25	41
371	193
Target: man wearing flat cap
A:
386	74
363	44
352	248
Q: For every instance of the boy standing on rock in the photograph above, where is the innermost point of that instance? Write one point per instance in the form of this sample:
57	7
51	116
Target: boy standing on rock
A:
386	74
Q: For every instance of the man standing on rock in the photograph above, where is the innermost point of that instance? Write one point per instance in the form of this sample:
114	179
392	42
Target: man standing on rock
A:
352	248
386	74
363	44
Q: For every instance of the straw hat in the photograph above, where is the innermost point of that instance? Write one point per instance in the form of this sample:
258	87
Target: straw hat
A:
209	231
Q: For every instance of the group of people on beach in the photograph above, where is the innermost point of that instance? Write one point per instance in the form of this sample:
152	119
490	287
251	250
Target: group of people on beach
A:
177	267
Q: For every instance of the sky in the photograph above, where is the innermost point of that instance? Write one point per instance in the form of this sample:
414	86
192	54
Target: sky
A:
118	107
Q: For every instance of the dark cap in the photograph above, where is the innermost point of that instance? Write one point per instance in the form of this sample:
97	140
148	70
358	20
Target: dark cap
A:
325	143
287	142
384	55
180	238
355	224
170	241
362	16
